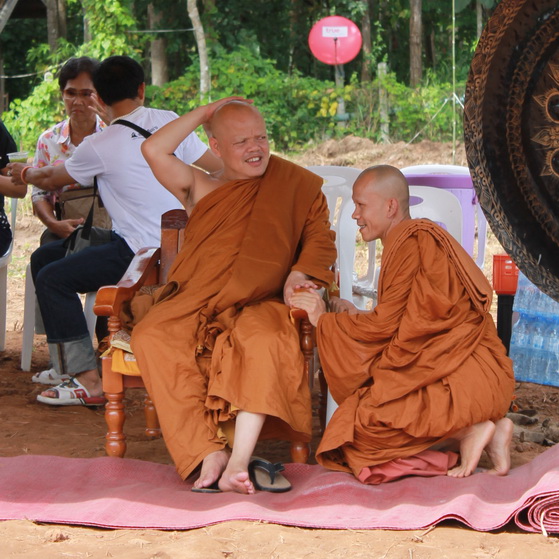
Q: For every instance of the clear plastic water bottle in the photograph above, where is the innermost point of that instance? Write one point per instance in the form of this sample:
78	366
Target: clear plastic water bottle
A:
519	347
551	347
539	362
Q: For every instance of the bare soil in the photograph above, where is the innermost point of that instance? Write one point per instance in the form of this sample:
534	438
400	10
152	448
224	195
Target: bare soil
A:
33	428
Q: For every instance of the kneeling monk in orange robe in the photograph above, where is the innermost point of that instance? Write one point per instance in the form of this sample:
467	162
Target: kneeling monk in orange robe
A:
220	345
423	371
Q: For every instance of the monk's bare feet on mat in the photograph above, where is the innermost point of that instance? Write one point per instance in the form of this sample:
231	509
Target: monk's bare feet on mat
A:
498	448
213	466
236	478
472	442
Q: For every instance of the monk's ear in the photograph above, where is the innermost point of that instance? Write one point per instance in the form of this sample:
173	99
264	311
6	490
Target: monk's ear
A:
392	207
214	146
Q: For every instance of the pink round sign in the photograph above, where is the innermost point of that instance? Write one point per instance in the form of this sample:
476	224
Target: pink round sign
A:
335	40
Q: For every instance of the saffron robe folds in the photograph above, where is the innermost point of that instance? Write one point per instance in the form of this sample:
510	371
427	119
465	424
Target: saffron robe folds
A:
426	362
223	341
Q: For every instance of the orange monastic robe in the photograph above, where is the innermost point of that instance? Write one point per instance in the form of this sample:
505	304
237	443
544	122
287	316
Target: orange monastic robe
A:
426	362
224	340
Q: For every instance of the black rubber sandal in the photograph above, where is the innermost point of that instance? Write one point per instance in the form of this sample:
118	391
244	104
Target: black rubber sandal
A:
266	476
213	488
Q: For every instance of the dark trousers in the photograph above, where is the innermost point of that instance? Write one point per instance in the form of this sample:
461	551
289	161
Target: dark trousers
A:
58	280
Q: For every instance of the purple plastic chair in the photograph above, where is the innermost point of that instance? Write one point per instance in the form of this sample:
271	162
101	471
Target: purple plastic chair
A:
456	179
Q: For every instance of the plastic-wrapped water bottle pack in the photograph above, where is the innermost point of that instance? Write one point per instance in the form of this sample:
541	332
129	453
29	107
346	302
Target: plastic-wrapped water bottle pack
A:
534	345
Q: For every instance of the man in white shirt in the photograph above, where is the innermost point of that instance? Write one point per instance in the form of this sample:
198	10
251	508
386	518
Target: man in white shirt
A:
135	201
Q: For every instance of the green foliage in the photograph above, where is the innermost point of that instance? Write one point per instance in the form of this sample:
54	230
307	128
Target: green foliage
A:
270	64
28	118
426	111
108	22
296	108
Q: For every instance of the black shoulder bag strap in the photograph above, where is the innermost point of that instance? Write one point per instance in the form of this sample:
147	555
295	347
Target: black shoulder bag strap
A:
138	129
88	224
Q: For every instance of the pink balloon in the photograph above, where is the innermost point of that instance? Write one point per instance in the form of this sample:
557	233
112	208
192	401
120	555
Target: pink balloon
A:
335	40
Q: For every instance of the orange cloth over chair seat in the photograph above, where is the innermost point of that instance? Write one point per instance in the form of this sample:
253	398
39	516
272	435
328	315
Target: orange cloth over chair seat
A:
124	363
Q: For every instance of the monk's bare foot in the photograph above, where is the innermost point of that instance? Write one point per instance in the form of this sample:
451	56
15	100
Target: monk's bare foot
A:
236	478
498	448
472	442
212	467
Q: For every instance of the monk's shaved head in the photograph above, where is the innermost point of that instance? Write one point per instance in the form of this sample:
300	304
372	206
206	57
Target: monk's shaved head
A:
231	112
381	198
388	182
238	136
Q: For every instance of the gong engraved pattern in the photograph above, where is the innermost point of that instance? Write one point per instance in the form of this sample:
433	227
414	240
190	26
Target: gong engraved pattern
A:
511	129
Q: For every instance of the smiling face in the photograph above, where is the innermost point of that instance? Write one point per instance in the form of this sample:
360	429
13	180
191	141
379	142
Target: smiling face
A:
381	198
77	97
371	211
239	138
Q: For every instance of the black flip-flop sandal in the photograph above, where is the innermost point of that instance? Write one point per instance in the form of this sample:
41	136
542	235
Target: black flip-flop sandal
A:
265	476
213	488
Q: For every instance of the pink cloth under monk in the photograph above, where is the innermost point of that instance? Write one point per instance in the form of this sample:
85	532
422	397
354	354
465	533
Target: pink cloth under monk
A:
428	463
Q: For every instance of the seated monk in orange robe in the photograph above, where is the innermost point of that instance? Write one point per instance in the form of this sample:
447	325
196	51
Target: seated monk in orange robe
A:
220	345
423	371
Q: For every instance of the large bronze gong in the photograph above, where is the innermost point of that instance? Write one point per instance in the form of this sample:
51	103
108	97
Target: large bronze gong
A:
511	127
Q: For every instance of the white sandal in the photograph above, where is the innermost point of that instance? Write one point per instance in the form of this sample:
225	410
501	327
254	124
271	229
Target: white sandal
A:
50	377
71	393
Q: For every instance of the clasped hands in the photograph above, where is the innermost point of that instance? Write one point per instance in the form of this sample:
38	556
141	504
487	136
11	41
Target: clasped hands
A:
301	293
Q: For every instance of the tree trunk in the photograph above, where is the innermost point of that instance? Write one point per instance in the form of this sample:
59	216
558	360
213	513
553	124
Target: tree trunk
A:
86	30
56	22
202	50
415	43
366	35
158	54
479	18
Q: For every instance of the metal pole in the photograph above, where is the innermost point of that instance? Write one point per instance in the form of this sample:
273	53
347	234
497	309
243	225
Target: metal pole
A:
453	83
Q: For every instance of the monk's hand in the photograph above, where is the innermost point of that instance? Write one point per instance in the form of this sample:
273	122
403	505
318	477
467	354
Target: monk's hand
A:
341	305
211	108
294	281
310	301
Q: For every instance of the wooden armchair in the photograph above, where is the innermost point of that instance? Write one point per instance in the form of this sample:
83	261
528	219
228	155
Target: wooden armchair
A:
151	266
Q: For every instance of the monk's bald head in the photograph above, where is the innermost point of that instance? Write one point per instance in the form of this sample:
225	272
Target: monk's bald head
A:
388	182
381	198
232	113
238	137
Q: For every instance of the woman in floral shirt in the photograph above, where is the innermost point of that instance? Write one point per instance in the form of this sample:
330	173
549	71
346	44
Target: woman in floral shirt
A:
63	210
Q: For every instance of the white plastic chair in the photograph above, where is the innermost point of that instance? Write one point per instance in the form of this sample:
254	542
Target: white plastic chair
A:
4	262
337	187
440	206
29	306
457	180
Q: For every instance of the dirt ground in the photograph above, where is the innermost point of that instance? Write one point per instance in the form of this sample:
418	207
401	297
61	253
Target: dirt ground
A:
33	428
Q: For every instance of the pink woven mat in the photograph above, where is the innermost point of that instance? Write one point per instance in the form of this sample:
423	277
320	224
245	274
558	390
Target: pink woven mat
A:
115	493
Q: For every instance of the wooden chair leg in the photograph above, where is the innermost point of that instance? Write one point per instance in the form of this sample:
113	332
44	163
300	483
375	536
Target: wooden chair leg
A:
300	452
115	444
322	399
152	422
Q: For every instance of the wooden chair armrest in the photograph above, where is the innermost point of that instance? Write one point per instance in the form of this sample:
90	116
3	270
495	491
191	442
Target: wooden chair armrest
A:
141	271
